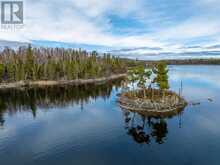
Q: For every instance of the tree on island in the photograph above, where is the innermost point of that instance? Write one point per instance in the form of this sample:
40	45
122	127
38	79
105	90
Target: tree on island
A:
161	79
140	75
133	77
143	76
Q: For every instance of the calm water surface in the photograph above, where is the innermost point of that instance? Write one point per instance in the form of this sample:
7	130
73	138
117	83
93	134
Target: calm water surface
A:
84	125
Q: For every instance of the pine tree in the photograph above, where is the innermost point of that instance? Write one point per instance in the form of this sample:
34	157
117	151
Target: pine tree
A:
2	71
29	64
162	77
143	76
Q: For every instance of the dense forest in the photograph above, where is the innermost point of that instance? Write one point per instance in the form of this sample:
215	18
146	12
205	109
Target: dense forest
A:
31	64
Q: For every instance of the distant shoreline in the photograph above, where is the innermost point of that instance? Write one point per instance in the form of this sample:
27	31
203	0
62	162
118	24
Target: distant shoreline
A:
187	62
46	83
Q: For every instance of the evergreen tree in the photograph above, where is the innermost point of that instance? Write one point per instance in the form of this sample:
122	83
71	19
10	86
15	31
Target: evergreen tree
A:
132	76
29	64
162	76
2	69
143	76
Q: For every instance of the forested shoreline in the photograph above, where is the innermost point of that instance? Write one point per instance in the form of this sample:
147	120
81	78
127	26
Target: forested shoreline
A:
56	64
53	66
210	61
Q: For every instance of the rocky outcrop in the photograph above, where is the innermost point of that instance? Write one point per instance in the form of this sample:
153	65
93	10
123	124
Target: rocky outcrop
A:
168	101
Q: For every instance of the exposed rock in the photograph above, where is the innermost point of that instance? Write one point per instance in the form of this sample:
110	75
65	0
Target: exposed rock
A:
168	102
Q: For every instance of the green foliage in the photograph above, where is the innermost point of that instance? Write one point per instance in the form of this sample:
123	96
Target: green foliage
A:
2	69
140	75
29	64
56	64
162	75
132	76
143	76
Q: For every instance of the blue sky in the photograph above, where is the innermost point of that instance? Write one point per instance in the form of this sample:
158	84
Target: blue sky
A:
175	26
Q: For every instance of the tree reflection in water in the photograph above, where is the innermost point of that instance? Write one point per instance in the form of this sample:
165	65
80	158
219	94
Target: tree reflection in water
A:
30	99
145	127
2	121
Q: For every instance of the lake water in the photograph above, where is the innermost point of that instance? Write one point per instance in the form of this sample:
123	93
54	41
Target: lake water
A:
84	125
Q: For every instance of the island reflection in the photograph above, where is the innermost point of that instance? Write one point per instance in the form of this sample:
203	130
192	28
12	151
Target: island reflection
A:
146	127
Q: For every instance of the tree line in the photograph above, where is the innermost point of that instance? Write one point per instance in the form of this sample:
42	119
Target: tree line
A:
31	64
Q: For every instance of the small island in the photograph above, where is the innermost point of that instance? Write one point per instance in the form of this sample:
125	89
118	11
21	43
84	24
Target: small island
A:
152	94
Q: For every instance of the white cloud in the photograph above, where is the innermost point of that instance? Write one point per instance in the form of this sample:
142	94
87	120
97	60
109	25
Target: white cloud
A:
87	21
81	21
191	29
